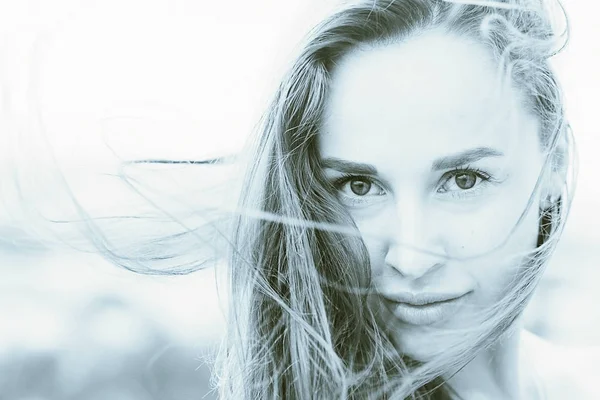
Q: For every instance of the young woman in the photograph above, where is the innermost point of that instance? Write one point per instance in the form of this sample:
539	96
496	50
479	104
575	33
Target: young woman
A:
408	184
407	187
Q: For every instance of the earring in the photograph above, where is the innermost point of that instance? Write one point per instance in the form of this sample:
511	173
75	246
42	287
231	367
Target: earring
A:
549	202
549	210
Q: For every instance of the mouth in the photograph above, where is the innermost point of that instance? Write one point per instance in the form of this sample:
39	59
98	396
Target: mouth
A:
425	308
423	299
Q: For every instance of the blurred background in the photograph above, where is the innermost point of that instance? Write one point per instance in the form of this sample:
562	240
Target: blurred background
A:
87	84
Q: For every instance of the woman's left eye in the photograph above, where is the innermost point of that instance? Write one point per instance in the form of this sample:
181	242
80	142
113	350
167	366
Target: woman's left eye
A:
463	180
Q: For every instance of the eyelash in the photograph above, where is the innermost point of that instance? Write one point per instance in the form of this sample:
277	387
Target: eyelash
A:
345	178
484	176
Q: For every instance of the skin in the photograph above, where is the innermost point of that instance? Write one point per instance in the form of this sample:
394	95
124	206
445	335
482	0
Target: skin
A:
400	109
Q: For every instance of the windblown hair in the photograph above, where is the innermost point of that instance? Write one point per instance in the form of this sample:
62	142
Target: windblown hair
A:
299	323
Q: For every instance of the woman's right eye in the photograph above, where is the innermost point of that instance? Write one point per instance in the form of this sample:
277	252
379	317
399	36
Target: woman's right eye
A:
358	188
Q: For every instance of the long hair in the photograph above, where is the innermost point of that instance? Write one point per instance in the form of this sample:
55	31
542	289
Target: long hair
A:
299	323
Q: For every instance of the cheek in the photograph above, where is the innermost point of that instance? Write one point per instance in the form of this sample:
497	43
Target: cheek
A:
486	244
478	233
508	245
374	243
461	235
501	225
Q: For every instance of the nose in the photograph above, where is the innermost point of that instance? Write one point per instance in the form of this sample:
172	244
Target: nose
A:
414	247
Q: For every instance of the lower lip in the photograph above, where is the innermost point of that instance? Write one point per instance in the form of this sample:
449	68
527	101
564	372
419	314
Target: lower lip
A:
426	314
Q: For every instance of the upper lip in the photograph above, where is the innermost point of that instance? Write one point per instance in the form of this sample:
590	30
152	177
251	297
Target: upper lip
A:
419	299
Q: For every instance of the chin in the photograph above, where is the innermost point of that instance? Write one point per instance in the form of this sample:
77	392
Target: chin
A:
424	343
418	347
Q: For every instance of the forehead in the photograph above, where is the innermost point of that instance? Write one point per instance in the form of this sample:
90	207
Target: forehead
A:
429	95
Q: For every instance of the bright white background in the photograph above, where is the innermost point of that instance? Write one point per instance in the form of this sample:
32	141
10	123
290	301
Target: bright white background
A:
183	79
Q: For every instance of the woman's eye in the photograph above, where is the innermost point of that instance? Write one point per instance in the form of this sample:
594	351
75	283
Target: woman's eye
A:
464	180
357	186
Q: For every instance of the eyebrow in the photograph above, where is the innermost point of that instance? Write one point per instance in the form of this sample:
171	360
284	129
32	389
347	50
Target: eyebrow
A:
348	166
465	157
452	161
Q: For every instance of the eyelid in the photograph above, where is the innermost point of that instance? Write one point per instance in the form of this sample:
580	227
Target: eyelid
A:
345	178
468	169
357	200
485	177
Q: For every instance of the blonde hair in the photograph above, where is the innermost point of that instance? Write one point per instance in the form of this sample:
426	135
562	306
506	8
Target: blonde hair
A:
299	325
299	322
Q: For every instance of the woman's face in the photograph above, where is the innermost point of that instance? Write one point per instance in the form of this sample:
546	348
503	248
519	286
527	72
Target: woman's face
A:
428	154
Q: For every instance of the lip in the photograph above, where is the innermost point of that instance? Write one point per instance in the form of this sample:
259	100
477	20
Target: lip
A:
424	308
425	298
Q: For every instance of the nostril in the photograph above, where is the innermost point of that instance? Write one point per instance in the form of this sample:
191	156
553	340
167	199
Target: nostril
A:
412	263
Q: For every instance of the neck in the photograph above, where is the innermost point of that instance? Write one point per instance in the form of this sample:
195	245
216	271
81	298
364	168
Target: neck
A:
494	373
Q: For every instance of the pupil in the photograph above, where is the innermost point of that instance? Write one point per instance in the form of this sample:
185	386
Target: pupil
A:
465	181
360	188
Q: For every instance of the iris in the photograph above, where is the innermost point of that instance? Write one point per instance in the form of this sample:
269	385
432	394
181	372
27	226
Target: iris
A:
360	187
465	181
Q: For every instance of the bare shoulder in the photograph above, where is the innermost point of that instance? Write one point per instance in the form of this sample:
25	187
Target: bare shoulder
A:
564	372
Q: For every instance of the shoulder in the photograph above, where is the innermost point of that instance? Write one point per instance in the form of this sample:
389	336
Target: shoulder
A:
562	371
